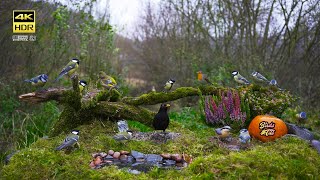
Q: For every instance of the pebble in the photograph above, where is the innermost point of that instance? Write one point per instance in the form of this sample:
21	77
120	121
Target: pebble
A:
176	157
97	161
166	155
92	165
116	155
102	154
124	152
111	152
123	157
108	157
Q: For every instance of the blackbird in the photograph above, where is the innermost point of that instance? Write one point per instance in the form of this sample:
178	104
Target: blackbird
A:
161	119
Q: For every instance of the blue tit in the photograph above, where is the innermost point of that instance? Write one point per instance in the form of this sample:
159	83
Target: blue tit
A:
224	132
122	136
239	79
301	117
123	126
38	81
82	85
274	83
69	69
169	84
70	140
244	136
106	81
259	77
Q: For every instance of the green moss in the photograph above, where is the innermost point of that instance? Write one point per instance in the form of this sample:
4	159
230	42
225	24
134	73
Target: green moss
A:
263	100
285	158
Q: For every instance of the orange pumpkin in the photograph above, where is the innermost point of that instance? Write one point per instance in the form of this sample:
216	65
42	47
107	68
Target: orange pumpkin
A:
267	128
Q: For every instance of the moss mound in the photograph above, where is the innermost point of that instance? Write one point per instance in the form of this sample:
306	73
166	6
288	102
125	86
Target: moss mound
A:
284	158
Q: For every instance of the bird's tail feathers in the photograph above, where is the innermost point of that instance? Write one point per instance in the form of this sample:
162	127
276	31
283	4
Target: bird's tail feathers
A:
60	147
60	76
27	80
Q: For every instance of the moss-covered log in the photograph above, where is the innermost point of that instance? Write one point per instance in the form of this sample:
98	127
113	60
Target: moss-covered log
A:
108	104
155	97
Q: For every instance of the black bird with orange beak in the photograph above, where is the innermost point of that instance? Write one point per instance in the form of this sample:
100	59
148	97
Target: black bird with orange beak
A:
161	119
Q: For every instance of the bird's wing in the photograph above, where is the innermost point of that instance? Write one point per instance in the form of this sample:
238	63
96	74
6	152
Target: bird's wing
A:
34	80
241	78
67	142
66	69
262	77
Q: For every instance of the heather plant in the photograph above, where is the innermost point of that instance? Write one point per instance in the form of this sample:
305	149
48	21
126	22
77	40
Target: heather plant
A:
227	109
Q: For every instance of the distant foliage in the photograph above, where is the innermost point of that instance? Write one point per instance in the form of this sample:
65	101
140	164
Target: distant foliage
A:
227	109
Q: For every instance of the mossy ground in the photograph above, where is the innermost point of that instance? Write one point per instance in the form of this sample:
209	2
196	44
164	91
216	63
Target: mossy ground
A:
286	158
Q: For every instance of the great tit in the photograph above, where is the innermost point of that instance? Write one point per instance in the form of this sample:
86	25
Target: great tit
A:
259	77
38	81
82	85
244	136
161	119
69	69
106	81
239	79
70	140
169	84
301	117
224	132
122	136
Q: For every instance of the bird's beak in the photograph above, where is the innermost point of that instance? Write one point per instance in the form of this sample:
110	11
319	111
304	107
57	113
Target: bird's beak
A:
167	105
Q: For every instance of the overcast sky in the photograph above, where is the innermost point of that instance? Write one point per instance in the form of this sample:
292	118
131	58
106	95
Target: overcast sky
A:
124	13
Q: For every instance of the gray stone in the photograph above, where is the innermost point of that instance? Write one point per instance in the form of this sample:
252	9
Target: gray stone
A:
316	145
300	131
108	157
133	171
137	155
233	147
130	159
153	158
168	162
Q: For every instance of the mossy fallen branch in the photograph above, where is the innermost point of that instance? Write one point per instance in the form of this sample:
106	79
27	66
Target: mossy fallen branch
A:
108	105
160	97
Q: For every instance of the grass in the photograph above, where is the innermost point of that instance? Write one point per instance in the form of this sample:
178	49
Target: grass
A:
20	124
23	128
286	158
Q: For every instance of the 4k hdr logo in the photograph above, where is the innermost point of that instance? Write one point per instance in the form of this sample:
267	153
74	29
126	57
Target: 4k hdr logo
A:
24	21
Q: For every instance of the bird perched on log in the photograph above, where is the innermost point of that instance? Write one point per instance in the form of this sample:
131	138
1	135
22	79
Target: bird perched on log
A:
239	79
161	119
82	85
169	84
69	69
122	136
301	117
38	81
223	133
244	136
274	83
70	140
257	76
107	81
201	76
